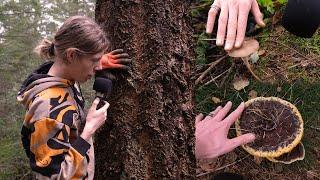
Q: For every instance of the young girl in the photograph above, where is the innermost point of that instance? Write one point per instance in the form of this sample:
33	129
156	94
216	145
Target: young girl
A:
56	134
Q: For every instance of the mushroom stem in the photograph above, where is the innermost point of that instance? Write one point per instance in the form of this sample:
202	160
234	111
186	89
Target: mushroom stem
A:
246	62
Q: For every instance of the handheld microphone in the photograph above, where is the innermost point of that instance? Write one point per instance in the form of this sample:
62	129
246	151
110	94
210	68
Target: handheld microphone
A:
103	88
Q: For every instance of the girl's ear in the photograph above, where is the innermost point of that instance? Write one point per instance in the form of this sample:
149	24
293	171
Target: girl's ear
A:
70	55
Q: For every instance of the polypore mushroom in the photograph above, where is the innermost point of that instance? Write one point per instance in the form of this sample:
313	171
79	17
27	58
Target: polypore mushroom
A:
278	127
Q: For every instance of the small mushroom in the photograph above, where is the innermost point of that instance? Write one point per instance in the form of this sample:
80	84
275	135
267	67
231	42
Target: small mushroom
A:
248	47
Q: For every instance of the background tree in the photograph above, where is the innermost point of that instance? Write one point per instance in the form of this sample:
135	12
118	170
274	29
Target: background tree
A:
150	127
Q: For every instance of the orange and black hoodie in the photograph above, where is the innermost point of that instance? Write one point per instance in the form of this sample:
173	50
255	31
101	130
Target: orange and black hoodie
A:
52	127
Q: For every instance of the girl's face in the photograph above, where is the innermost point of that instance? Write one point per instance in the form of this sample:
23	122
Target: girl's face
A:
85	67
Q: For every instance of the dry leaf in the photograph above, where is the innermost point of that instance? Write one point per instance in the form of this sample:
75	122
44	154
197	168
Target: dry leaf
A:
253	94
208	164
216	100
240	83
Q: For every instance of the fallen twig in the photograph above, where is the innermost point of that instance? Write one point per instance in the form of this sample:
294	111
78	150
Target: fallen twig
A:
315	128
212	65
215	78
228	74
290	67
223	167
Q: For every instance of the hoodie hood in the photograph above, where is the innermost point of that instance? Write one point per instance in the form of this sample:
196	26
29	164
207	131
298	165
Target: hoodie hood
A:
38	81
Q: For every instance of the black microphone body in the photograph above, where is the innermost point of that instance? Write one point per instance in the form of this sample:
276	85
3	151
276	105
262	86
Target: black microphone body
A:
103	88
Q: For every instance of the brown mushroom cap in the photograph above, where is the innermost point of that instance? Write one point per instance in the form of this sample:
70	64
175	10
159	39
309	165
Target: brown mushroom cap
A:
248	47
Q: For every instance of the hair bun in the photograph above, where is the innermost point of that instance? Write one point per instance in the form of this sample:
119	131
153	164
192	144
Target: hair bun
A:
51	49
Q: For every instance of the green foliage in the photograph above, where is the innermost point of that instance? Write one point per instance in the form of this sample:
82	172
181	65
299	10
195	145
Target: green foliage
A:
268	6
201	48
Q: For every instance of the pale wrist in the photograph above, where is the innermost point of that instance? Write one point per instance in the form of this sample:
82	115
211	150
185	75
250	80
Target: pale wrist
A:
86	135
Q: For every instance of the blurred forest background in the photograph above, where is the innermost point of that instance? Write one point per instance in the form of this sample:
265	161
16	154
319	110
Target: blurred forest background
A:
22	24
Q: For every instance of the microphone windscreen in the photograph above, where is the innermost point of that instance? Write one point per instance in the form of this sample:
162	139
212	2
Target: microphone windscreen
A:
102	85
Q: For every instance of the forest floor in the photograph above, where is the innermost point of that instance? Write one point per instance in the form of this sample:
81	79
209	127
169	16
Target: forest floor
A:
289	68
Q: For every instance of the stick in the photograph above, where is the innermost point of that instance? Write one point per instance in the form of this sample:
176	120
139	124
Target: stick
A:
228	74
220	168
290	67
215	78
212	65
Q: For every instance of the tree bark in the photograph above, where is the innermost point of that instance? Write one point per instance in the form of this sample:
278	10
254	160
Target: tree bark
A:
149	133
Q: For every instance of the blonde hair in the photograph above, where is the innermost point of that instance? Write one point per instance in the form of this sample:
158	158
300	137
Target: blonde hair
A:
79	32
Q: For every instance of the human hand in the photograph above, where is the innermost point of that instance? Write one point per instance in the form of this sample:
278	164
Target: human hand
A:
233	19
212	131
116	59
95	119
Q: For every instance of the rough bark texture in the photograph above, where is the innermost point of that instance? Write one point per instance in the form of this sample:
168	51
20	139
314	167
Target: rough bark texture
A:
149	133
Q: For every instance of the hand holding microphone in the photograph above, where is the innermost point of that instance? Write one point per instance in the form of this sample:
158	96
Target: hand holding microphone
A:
97	114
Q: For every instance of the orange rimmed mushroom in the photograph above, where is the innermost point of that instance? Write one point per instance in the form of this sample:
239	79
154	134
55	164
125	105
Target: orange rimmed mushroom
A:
278	127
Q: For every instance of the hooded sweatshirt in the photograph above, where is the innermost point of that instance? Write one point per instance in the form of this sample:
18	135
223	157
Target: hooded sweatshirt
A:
52	126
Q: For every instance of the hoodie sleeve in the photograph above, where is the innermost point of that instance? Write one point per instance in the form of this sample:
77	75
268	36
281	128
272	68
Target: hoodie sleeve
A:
53	152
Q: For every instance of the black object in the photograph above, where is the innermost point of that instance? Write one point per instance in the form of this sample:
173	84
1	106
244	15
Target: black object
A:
228	176
302	17
103	88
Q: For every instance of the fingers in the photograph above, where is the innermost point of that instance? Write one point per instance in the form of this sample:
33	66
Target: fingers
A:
117	51
119	66
232	25
212	114
223	19
105	107
95	103
122	55
258	16
242	24
211	19
234	115
223	112
238	141
123	61
216	111
199	117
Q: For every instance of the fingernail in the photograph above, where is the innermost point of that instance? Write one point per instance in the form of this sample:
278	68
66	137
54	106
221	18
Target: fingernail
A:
252	137
238	44
219	42
228	46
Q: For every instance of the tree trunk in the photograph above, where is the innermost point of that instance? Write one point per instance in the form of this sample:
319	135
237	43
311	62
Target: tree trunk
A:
149	133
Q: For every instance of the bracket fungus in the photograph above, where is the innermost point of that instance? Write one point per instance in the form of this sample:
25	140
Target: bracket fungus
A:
278	127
